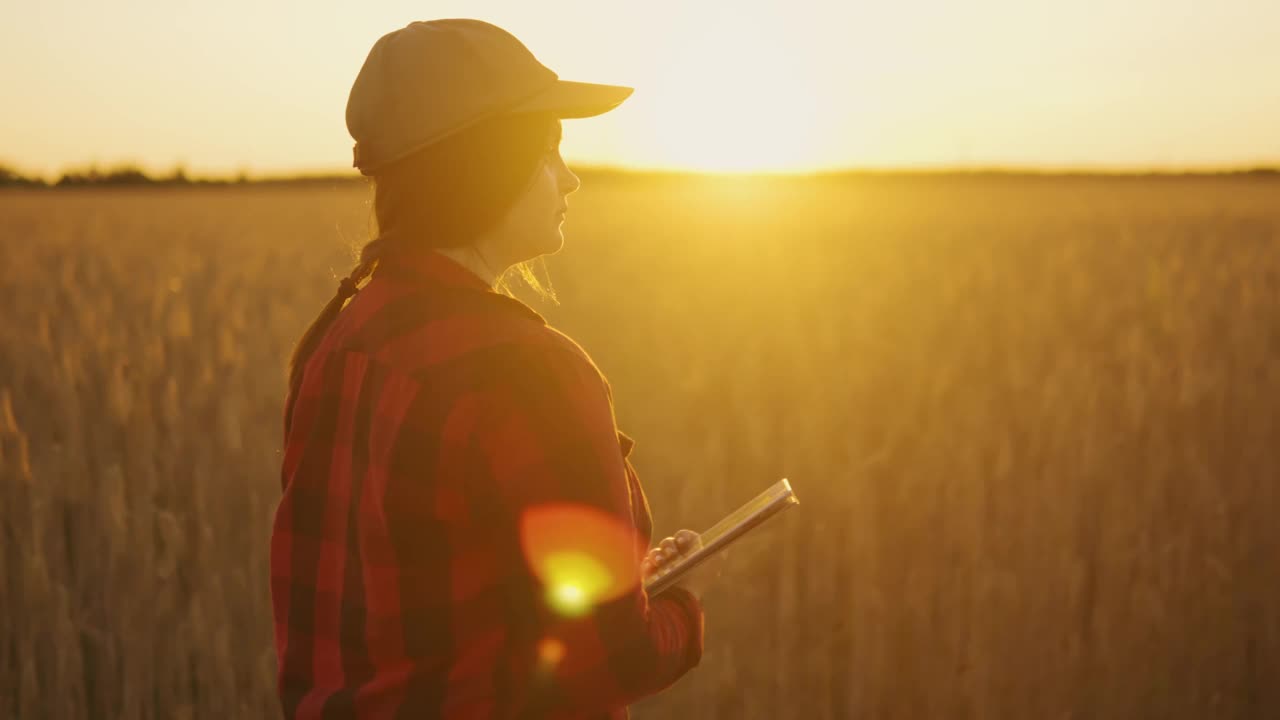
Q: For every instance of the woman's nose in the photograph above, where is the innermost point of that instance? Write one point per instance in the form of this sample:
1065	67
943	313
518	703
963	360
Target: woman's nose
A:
569	182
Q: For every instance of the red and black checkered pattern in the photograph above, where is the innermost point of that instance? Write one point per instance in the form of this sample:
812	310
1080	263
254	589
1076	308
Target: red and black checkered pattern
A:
433	414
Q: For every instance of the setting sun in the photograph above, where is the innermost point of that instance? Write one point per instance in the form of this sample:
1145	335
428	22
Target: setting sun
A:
340	378
719	86
732	97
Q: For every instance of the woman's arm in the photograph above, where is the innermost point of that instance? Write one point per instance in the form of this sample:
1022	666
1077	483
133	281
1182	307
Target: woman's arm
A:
551	446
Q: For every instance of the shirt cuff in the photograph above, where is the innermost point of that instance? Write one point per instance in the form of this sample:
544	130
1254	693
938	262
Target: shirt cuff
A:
691	608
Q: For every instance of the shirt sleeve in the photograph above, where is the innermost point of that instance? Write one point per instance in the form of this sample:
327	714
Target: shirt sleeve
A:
551	444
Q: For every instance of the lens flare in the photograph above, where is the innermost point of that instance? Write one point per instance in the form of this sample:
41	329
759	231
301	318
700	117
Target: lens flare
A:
574	581
582	556
569	599
550	652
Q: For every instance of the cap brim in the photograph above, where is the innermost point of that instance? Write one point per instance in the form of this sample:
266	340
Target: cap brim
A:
569	99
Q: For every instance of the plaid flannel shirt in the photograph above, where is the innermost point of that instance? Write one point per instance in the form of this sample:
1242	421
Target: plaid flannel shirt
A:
434	413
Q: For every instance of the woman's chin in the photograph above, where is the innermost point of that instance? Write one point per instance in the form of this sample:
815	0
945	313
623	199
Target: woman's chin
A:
555	241
548	245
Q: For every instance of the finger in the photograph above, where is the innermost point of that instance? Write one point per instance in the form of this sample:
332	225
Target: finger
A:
669	549
688	540
647	566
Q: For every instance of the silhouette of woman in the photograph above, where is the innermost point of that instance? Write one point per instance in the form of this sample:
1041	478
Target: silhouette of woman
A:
461	533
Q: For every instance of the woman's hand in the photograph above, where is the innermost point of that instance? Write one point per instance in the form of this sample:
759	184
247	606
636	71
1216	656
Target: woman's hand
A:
675	547
669	550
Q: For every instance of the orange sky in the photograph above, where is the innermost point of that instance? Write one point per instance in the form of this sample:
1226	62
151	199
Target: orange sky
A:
719	85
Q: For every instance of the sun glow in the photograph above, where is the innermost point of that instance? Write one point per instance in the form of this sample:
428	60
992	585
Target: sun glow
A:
720	86
735	96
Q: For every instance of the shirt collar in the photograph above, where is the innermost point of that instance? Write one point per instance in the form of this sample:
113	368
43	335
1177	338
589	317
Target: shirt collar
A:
438	270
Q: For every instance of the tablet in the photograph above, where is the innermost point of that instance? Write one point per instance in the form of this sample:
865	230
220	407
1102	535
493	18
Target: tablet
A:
774	499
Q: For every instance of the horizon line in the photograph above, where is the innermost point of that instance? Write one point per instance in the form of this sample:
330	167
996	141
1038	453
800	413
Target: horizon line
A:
1021	169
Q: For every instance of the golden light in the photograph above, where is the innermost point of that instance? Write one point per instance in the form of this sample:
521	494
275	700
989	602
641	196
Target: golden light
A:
575	579
734	96
550	652
581	555
569	597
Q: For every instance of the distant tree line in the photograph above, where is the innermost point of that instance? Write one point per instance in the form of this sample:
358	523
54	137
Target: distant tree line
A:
132	175
12	178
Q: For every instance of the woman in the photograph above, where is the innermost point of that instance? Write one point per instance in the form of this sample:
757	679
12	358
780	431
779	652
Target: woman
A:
461	533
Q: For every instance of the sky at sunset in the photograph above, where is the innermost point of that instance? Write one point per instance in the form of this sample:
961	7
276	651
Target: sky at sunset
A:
262	85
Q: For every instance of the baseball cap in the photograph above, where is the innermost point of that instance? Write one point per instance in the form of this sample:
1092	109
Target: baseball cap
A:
432	78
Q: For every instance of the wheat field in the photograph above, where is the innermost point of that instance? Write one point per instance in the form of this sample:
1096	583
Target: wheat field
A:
1033	424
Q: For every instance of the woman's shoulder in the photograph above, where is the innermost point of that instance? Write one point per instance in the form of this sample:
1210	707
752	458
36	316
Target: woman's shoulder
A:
545	376
550	349
495	356
558	340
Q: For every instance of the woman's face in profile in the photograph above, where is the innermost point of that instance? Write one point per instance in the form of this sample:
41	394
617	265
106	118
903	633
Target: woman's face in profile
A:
532	224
